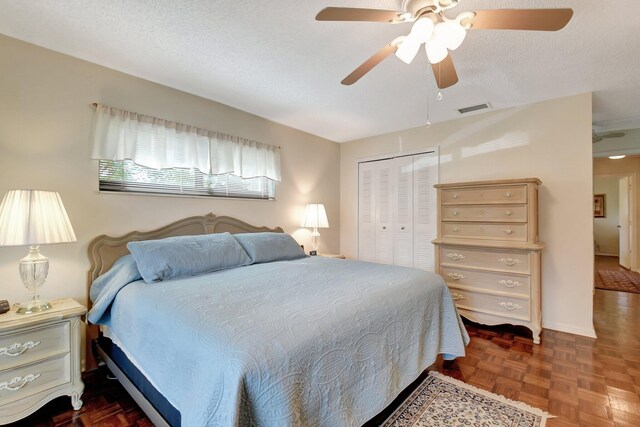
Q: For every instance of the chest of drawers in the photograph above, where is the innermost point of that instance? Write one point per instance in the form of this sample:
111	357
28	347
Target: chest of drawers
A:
488	251
39	359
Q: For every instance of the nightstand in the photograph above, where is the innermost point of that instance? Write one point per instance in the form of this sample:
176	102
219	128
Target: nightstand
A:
332	256
39	359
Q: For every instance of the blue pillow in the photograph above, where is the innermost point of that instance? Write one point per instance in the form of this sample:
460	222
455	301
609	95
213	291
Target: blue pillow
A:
186	255
268	247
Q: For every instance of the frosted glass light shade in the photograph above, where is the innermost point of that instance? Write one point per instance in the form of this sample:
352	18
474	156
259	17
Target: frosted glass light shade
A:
422	30
315	216
34	217
451	34
408	50
436	50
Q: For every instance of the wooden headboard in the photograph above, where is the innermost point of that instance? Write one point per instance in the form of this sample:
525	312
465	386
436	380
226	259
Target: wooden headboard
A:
105	250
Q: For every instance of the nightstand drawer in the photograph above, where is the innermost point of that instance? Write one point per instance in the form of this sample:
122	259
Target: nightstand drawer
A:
30	379
33	344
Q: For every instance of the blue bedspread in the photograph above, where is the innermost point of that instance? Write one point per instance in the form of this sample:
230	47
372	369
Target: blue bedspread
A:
313	342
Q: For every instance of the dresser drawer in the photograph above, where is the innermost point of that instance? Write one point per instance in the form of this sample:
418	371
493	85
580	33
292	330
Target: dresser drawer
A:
30	379
486	280
485	213
30	345
489	231
516	194
514	262
516	308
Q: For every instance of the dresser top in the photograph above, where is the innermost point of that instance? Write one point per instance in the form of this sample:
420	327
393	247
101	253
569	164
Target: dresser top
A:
487	183
60	309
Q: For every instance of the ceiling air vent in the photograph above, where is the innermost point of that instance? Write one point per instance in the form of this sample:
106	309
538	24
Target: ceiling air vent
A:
478	107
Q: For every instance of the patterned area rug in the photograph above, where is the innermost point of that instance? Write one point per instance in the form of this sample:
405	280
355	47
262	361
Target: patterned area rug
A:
441	401
613	280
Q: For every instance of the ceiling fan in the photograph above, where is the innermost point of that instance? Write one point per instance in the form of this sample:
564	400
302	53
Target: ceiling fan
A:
597	137
439	33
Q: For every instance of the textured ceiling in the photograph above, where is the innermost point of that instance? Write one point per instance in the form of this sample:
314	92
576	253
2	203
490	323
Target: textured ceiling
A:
271	58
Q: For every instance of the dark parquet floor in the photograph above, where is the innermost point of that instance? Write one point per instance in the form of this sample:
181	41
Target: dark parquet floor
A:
582	381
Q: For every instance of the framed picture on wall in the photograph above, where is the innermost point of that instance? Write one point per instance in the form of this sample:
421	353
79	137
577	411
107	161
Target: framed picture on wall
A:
599	206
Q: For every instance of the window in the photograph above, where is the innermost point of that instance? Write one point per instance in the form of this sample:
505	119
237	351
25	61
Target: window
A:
127	176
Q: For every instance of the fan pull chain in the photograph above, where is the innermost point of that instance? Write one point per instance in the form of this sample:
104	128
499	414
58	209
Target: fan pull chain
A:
440	96
428	121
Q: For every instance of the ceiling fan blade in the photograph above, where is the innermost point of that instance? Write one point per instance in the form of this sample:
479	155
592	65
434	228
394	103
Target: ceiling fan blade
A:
445	73
520	19
596	139
368	65
614	135
357	14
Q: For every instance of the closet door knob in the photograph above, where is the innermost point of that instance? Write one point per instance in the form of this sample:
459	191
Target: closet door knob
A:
401	228
384	227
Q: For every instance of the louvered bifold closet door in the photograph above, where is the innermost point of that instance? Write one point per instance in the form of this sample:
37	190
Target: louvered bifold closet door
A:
403	211
366	213
384	175
425	176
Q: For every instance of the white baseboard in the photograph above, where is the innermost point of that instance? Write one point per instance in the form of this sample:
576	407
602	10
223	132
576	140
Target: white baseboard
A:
570	329
607	254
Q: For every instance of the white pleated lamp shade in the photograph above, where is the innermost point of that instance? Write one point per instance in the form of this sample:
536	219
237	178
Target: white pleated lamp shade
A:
315	216
34	217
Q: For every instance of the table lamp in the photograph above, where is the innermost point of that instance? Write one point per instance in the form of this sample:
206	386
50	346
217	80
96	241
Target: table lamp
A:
315	216
33	218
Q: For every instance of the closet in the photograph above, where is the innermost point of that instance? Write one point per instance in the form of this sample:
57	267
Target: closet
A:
397	210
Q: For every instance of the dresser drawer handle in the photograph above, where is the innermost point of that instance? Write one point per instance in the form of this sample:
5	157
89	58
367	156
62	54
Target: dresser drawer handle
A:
456	229
507	194
455	213
17	349
456	296
456	276
455	195
455	257
18	382
510	306
509	283
509	261
507	213
508	232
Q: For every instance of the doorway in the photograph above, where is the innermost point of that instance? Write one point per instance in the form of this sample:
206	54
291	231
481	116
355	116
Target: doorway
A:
614	232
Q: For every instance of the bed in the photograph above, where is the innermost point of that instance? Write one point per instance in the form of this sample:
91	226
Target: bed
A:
309	341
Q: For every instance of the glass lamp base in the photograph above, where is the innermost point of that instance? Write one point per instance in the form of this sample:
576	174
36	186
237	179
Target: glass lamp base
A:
31	307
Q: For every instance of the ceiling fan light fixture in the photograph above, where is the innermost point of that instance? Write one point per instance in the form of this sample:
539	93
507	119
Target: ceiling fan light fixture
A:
407	50
422	30
436	50
451	34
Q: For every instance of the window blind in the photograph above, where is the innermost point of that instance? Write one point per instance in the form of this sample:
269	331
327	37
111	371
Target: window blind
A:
127	176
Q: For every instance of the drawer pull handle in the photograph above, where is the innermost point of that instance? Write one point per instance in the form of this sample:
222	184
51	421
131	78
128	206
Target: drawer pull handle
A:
18	382
508	231
507	213
509	283
456	229
509	261
507	194
455	213
456	296
455	195
17	349
510	306
455	257
456	276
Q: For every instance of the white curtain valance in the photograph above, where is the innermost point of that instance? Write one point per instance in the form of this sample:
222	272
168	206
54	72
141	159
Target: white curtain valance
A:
161	144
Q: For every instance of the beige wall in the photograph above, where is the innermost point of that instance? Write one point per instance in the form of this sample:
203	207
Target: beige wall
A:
549	140
45	125
628	166
605	230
